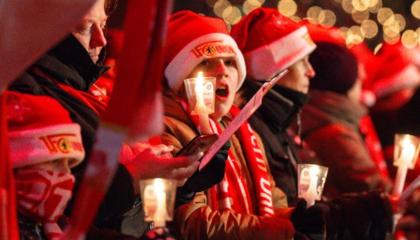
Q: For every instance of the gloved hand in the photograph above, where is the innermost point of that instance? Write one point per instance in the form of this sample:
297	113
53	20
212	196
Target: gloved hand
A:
210	175
360	216
310	222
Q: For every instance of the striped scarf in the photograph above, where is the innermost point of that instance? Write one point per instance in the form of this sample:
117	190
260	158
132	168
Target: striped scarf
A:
233	191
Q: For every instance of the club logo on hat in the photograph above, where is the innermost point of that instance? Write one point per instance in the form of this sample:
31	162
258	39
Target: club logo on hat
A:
63	143
212	49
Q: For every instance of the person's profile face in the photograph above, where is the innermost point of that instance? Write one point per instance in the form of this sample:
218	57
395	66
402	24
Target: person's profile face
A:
298	76
90	31
225	71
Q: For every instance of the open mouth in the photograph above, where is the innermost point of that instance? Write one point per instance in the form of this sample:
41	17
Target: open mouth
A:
222	91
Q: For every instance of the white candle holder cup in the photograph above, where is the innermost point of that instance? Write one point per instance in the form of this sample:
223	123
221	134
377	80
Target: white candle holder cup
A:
406	152
311	181
201	94
158	197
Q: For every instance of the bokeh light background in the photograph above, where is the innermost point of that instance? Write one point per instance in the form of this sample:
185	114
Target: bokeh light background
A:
372	21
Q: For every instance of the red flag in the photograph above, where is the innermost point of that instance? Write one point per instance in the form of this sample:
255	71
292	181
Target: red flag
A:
147	120
8	219
31	27
137	89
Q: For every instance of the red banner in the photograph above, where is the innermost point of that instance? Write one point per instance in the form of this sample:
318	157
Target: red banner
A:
134	108
8	218
30	27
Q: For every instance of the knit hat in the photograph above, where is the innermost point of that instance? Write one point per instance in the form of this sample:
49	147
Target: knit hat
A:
270	42
193	38
40	130
335	67
393	70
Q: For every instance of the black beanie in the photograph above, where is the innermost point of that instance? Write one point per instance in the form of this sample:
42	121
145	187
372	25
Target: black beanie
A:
335	67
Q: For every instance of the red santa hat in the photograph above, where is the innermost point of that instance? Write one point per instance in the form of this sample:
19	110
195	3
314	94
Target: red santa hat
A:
193	38
40	130
270	42
393	71
320	33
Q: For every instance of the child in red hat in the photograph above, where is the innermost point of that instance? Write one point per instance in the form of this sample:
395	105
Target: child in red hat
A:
44	145
242	202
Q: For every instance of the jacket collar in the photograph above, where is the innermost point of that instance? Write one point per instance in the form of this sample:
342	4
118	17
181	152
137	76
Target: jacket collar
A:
280	105
71	64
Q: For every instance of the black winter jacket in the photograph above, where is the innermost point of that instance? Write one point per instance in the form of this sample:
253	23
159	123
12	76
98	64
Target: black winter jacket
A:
69	63
279	108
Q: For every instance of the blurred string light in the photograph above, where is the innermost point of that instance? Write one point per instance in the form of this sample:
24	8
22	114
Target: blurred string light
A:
391	27
409	39
250	5
359	17
384	14
327	18
391	39
220	6
287	7
415	9
369	28
401	21
231	14
361	11
375	8
312	14
418	35
343	30
347	6
360	5
317	15
354	36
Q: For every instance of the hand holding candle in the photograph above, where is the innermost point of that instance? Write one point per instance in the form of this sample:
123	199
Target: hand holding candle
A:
405	155
158	197
200	94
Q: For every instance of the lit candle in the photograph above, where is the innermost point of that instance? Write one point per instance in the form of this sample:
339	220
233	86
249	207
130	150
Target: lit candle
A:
200	107
311	195
159	218
408	151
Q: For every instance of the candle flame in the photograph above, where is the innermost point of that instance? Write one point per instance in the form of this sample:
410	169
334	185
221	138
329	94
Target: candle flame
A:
407	150
314	171
199	90
199	82
160	214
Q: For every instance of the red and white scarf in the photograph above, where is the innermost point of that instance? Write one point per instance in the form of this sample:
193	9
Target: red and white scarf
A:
43	196
233	191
